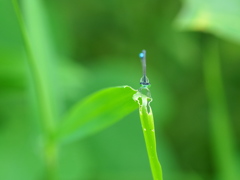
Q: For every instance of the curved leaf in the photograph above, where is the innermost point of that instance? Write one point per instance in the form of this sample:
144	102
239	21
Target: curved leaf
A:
97	112
218	17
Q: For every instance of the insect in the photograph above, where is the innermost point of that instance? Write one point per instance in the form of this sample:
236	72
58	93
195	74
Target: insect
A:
144	81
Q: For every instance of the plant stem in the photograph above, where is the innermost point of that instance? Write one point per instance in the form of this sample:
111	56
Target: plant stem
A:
220	127
43	98
149	136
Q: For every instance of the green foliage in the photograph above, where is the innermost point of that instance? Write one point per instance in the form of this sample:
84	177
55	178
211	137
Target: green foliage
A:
84	46
97	112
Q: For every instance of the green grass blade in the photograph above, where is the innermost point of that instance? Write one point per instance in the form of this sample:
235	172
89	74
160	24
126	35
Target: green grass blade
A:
45	58
222	137
39	59
147	122
97	112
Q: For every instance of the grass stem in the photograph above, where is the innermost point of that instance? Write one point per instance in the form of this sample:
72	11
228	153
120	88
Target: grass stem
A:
222	139
147	122
43	98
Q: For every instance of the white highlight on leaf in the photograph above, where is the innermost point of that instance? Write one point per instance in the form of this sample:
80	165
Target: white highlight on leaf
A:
143	101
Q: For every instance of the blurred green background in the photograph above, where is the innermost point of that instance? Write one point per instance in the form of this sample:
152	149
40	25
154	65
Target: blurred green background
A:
193	61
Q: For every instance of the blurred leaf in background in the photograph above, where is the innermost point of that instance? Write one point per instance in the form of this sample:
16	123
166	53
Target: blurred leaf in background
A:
218	17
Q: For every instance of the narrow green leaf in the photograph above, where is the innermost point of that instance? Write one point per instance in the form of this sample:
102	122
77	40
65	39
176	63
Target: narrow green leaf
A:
40	57
97	112
147	121
218	17
222	138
